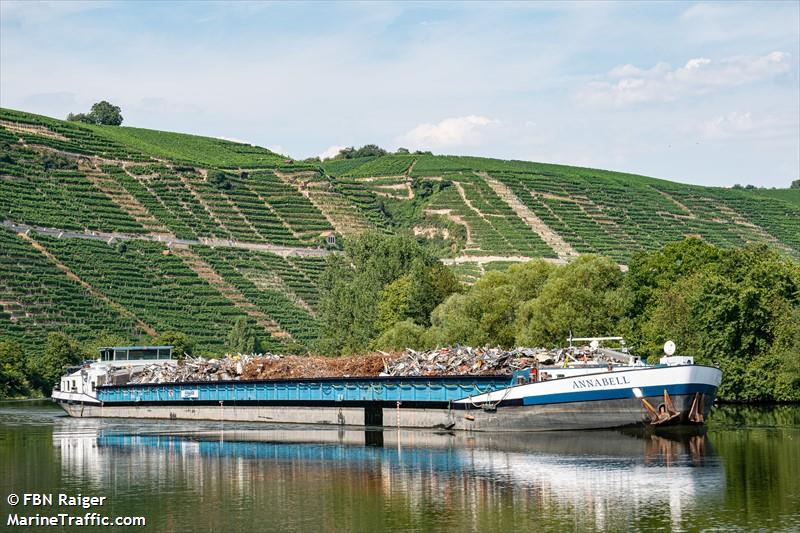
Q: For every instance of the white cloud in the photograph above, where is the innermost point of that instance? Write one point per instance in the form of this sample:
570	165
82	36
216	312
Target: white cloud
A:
627	84
728	125
450	132
706	11
532	59
39	12
738	124
331	151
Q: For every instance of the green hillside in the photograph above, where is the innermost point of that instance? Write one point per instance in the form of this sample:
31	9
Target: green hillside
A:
190	149
137	232
593	211
787	195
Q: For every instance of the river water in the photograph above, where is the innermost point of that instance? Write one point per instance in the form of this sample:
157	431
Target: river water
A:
742	474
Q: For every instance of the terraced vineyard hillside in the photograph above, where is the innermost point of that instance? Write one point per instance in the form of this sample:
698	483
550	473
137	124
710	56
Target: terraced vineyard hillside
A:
533	209
137	232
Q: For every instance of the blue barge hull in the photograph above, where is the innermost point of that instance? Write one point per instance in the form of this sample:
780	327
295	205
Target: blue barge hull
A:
418	390
593	399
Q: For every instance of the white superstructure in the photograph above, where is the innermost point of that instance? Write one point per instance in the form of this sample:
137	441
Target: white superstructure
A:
115	365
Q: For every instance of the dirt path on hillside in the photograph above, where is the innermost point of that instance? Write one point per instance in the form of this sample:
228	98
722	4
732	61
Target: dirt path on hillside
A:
675	202
561	247
272	210
283	251
341	214
207	273
126	201
32	129
458	219
89	288
484	259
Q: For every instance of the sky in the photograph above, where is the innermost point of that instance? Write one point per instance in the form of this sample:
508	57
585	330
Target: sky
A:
705	93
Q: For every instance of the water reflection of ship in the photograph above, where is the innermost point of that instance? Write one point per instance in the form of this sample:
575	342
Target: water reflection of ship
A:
82	448
590	473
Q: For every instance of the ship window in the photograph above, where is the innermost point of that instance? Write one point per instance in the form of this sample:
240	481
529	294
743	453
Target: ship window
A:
135	353
143	353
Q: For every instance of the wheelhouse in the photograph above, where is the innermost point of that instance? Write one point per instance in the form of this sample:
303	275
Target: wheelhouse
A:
135	353
114	362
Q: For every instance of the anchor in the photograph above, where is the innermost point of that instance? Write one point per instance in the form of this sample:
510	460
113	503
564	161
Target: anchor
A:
665	414
696	411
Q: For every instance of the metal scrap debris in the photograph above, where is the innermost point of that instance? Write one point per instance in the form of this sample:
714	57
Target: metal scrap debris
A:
459	360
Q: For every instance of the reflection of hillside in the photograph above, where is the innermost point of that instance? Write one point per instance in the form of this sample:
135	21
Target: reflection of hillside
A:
589	476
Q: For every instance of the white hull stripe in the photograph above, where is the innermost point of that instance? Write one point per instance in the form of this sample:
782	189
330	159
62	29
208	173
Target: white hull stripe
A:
618	394
608	386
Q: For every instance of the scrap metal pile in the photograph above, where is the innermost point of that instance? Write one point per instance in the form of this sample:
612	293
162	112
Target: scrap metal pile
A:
439	362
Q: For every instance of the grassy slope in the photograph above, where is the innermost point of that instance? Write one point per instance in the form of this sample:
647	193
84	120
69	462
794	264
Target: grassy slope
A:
787	195
613	213
594	210
206	151
155	287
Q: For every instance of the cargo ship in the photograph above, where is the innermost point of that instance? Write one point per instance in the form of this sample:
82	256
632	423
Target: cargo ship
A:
586	395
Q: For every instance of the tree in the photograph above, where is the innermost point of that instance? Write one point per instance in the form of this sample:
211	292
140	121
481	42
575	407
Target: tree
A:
57	161
106	113
345	153
734	308
368	150
415	295
432	284
401	335
12	370
180	342
795	184
649	271
487	312
585	297
783	353
60	351
394	302
242	338
102	112
482	316
219	179
79	117
738	307
352	286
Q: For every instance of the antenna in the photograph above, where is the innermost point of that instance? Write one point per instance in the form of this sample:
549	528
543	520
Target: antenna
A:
669	347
